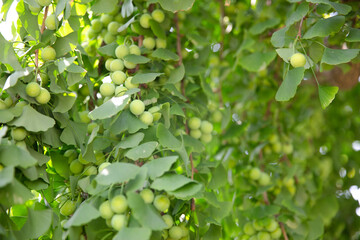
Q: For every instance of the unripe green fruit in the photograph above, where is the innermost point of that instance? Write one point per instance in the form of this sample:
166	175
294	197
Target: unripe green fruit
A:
43	97
120	91
263	236
106	19
184	229
76	167
154	109
119	204
121	51
156	116
103	165
133	49
35	9
18	134
194	123
119	18
91	170
113	28
71	154
91	33
50	22
206	137
147	195
206	127
21	144
116	65
288	148
289	182
254	174
2	105
272	225
145	20
33	89
84	117
257	226
68	208
147	118
107	64
118	221
107	89
276	234
217	116
254	237
168	220
175	232
244	237
264	179
195	133
82	160
160	43
109	38
91	126
100	158
44	2
129	84
149	43
129	65
249	229
96	25
137	107
161	203
48	53
118	77
105	210
158	15
298	60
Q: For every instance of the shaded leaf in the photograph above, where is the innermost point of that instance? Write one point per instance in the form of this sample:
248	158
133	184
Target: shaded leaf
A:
157	167
288	87
327	95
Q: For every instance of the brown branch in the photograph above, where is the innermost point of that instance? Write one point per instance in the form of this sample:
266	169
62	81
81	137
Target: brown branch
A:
178	39
41	31
283	231
300	26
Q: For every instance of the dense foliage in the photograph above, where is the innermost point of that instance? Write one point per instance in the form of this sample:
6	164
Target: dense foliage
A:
167	119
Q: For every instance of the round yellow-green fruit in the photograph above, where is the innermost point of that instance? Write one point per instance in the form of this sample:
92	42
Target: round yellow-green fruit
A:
147	195
48	53
43	97
137	107
107	89
161	203
298	60
33	89
18	134
105	210
147	118
158	15
68	208
50	22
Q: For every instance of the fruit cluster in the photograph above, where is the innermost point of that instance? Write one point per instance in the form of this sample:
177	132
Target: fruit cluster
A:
261	178
137	107
261	229
200	129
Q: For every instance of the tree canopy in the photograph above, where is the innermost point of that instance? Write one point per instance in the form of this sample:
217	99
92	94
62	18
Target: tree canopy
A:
179	119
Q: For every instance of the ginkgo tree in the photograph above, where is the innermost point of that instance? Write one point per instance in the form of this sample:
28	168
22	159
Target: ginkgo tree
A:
177	120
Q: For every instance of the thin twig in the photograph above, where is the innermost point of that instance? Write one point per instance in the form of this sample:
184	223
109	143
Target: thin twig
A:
300	26
178	39
41	31
283	231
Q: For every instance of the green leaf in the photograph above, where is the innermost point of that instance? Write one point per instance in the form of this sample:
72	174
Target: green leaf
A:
339	7
338	56
145	77
177	74
158	166
104	6
28	20
288	87
131	141
127	122
256	61
38	123
133	233
262	211
300	12
176	5
6	116
7	54
15	156
109	108
108	50
63	63
165	54
327	95
65	44
136	59
138	182
354	35
316	229
278	38
144	213
262	26
117	173
194	144
85	213
325	27
157	29
13	78
6	176
63	103
14	193
142	151
218	177
166	138
37	224
170	182
214	232
188	191
60	164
